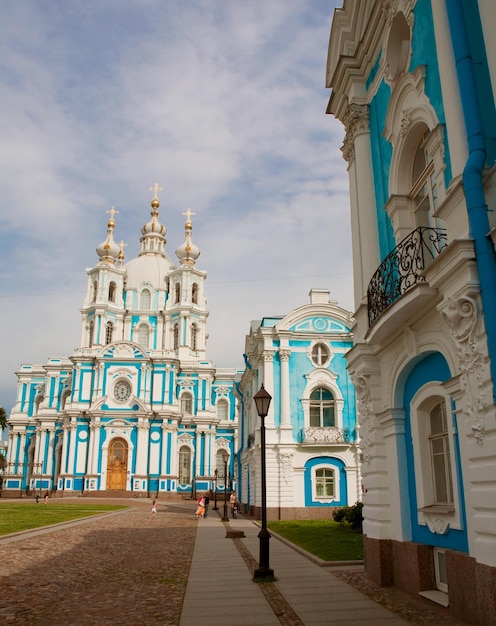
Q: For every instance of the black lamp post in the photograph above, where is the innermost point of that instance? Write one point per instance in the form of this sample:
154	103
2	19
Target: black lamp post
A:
216	473
225	458
262	401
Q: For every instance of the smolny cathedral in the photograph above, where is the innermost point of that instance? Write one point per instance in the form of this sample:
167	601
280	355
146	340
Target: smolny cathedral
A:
138	407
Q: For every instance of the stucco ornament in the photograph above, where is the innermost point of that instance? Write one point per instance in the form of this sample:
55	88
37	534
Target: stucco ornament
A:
437	525
286	461
462	315
365	415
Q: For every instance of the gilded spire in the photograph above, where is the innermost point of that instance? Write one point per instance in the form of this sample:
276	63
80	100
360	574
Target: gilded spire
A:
153	240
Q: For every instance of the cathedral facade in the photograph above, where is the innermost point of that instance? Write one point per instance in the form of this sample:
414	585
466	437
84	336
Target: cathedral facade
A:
137	408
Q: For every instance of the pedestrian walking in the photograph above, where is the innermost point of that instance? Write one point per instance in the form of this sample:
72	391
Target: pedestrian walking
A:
154	508
206	500
233	499
200	509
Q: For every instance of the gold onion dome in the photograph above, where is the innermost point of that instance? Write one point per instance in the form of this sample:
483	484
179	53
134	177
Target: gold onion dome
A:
187	253
108	250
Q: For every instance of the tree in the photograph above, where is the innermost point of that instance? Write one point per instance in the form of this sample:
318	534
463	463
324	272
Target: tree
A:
3	418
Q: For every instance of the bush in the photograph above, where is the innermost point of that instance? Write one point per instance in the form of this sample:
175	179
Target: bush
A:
350	514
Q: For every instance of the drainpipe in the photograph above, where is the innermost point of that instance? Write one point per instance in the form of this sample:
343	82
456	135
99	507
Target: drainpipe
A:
472	177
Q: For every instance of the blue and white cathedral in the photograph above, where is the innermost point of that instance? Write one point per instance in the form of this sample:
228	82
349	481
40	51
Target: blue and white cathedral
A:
137	408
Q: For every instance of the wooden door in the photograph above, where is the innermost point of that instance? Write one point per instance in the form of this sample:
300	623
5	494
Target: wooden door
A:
117	465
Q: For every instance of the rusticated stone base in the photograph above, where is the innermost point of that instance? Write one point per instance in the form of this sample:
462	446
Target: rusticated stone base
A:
410	567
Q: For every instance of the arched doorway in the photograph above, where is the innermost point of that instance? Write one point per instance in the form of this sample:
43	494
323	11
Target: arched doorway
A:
117	465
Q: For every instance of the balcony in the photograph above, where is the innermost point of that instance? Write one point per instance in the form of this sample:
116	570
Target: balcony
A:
403	268
324	435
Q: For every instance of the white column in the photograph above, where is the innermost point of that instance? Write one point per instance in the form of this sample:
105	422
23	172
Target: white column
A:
72	446
286	430
364	230
142	447
268	380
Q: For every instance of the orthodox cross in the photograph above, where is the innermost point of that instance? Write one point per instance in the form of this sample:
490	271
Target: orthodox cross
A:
156	189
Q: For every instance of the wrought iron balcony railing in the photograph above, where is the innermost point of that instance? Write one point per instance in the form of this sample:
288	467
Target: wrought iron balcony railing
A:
324	434
403	268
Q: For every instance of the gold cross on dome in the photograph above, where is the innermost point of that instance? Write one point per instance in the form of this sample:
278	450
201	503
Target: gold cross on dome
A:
188	214
156	189
112	212
122	245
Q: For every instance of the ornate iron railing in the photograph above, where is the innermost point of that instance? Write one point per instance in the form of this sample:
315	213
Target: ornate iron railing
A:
403	268
324	434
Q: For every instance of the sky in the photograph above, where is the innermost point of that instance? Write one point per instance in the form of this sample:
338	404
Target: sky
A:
222	103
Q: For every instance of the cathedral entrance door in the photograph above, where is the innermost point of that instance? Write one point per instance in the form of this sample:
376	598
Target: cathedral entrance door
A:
117	465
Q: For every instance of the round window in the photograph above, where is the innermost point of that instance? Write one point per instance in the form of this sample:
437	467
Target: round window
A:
122	390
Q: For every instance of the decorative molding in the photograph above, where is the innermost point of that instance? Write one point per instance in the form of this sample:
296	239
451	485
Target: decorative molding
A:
365	415
462	315
356	121
286	460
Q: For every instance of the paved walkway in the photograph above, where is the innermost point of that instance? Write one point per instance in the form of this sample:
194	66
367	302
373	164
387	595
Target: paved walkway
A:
133	569
220	589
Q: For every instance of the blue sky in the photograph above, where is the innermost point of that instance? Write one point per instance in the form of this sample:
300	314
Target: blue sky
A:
221	103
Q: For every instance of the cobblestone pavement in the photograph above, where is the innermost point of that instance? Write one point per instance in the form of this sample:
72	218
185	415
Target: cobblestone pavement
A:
131	569
124	568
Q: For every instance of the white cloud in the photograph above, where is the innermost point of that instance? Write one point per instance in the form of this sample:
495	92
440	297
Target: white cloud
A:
223	104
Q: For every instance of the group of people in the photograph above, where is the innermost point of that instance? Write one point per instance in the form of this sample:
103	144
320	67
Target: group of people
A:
202	506
204	501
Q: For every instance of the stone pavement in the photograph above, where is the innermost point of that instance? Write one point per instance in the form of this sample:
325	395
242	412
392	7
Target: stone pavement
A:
221	592
133	570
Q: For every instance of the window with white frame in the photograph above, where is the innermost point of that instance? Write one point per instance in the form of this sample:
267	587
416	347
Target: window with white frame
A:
322	408
440	569
143	335
324	484
221	467
194	337
320	354
184	465
434	457
111	292
176	336
222	409
177	289
109	331
187	403
424	193
442	485
194	293
145	300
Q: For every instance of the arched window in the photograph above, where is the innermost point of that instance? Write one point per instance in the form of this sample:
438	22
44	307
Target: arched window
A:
187	403
145	300
143	335
91	330
111	292
177	289
221	467
194	294
176	336
442	482
194	336
222	409
109	331
322	408
320	354
95	290
324	483
184	466
424	192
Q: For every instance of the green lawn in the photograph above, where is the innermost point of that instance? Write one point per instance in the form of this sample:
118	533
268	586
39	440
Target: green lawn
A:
326	539
16	517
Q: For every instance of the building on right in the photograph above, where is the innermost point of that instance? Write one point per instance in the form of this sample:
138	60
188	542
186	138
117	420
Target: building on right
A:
413	84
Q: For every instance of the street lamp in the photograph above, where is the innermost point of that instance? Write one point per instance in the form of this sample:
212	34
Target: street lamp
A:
262	401
216	473
225	458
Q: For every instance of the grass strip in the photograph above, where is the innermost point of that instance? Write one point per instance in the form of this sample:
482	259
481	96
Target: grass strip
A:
326	539
26	516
